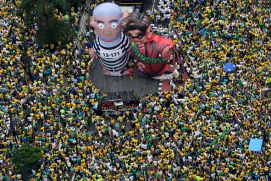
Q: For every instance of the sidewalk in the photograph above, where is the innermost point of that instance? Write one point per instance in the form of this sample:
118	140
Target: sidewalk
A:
83	19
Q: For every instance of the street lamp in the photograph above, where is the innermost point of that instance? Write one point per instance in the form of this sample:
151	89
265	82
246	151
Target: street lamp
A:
27	62
145	168
12	126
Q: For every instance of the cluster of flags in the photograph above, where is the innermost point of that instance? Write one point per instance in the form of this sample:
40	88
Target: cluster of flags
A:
267	92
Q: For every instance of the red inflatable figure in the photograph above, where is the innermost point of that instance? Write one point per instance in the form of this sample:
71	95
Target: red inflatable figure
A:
151	52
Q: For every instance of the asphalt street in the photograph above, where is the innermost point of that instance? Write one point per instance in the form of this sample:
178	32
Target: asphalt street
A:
141	85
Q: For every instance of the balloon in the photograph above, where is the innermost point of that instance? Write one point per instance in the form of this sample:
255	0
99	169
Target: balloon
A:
151	52
67	17
111	44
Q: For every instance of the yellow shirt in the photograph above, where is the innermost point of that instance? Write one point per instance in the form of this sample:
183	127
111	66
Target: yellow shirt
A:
54	178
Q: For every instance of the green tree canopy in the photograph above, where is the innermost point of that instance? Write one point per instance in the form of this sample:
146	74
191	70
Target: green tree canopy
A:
27	155
41	12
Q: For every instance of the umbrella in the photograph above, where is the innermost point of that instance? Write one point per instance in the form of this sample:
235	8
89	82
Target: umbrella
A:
229	67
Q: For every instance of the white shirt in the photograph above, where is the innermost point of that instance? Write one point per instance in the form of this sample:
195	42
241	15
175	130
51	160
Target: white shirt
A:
159	7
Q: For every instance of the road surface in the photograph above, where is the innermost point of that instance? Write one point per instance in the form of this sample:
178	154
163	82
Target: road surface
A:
141	85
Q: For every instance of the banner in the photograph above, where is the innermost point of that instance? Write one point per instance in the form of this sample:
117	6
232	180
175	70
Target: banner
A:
118	108
115	110
266	94
268	81
145	59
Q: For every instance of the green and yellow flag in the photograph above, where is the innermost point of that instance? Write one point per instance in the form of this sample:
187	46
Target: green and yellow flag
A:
268	81
266	95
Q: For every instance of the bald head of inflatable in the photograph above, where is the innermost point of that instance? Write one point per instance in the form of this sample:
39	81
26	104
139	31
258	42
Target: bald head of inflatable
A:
106	21
107	9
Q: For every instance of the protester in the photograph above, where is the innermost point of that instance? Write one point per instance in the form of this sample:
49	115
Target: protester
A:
199	130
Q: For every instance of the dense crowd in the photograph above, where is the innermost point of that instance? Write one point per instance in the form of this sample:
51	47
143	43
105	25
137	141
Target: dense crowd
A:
198	131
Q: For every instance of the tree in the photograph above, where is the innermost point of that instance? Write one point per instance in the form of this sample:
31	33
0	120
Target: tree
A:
50	29
54	31
27	157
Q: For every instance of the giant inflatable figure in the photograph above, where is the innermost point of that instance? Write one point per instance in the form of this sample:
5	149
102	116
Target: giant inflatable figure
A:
151	52
111	45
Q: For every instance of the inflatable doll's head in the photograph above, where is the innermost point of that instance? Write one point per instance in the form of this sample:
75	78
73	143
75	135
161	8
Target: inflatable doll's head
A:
106	23
137	27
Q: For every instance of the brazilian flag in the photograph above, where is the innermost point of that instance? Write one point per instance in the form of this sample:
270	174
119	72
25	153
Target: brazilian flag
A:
268	81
